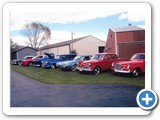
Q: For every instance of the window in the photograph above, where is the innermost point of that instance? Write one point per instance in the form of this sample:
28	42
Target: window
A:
107	57
113	57
87	58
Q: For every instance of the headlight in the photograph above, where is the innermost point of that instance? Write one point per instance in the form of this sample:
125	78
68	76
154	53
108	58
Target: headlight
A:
128	66
89	64
112	64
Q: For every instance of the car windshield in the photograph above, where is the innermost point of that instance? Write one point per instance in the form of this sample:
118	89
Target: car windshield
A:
97	57
45	56
78	58
57	57
36	57
138	57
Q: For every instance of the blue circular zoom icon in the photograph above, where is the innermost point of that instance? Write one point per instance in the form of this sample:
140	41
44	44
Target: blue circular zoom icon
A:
147	99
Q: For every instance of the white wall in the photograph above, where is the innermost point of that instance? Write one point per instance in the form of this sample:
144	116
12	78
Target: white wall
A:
88	46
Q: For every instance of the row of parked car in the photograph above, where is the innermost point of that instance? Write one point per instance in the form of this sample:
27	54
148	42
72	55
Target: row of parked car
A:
88	63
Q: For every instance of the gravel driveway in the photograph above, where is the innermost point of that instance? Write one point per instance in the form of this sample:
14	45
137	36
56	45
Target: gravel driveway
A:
26	92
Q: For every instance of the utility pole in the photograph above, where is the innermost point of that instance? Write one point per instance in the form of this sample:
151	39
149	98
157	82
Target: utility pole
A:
72	33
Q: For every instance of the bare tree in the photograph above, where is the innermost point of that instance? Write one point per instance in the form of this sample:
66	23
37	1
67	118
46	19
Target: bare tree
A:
13	45
37	34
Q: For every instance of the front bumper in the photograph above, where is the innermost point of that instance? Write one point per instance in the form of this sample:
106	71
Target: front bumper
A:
81	69
64	67
14	63
122	71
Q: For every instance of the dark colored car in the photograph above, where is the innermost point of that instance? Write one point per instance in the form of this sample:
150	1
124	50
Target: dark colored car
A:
18	61
134	66
72	64
46	56
52	63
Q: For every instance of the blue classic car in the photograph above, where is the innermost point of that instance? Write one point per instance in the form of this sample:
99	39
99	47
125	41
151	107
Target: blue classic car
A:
72	64
46	56
52	63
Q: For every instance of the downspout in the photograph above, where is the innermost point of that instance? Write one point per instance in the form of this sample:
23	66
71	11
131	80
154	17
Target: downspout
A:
116	45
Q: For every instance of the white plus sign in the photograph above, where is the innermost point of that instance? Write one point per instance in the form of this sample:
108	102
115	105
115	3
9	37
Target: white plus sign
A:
147	99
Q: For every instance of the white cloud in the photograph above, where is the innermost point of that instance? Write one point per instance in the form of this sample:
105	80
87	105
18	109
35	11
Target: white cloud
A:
73	13
60	36
133	16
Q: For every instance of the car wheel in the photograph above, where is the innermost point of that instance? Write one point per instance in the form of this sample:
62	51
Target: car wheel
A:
53	66
30	64
19	63
96	71
136	72
73	68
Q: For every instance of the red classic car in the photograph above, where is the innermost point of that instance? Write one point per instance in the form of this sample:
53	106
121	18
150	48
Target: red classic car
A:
28	62
99	62
135	65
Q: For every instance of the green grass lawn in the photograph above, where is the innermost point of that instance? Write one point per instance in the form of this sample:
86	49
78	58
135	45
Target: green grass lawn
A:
58	76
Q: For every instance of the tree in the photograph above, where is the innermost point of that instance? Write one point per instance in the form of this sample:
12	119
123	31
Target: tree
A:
13	45
37	34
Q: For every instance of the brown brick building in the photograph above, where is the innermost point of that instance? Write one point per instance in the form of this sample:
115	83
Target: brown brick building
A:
125	41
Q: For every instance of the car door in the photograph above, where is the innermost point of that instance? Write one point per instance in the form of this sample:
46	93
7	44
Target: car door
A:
105	63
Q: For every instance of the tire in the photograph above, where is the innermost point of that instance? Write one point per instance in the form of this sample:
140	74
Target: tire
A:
19	63
73	68
136	72
53	66
96	71
30	64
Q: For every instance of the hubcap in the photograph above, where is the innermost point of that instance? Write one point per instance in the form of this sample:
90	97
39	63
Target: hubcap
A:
135	73
73	68
30	64
96	71
52	66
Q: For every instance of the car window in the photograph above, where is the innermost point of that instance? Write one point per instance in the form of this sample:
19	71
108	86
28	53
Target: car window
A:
86	58
61	57
107	57
45	56
78	58
97	57
113	57
138	56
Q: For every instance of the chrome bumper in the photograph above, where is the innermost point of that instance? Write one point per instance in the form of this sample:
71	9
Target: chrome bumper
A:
121	71
83	69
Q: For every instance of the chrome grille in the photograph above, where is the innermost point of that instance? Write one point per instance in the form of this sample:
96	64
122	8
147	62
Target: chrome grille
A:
118	66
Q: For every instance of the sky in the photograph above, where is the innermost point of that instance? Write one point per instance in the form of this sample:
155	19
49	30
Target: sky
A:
81	18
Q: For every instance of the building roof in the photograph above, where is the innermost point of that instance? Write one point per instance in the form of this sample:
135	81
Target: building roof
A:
23	47
68	42
126	29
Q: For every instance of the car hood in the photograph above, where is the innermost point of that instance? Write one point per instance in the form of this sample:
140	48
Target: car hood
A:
27	60
129	62
89	61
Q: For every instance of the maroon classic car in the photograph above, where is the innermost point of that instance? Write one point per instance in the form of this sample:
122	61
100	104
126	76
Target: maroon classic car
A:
99	62
135	65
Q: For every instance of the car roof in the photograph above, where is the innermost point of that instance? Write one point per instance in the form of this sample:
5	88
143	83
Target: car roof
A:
107	53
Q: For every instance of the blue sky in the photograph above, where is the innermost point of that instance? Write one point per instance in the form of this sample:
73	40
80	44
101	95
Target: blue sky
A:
83	22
